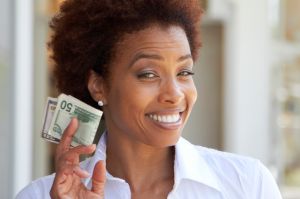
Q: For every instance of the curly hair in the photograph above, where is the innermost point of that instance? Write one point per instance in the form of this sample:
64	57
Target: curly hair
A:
86	32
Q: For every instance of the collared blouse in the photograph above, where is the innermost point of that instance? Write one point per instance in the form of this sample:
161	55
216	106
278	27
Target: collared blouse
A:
199	172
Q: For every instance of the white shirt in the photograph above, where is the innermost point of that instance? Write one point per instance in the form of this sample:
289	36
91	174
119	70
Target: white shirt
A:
199	173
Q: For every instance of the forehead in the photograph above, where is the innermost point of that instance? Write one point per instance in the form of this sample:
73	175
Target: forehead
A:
154	38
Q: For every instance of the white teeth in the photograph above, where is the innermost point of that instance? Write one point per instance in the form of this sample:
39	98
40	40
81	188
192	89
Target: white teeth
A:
174	117
170	118
159	118
165	118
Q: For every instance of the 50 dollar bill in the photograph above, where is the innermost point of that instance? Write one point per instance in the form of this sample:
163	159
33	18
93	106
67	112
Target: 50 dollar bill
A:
60	111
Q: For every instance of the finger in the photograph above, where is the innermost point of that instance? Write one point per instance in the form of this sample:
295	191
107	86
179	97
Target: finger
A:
72	156
80	172
67	169
65	142
63	181
63	175
99	178
83	150
70	170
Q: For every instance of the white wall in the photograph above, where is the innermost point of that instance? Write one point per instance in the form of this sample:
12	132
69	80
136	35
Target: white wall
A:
205	124
41	157
6	118
246	80
22	94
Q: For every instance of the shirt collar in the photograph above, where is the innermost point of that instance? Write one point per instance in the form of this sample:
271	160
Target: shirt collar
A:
190	164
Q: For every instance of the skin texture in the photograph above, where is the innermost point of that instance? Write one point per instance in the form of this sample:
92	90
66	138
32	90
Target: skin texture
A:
150	75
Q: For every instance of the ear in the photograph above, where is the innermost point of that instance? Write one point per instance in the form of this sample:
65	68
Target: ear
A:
96	86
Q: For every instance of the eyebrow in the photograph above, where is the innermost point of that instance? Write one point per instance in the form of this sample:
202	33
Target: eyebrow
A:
184	57
141	55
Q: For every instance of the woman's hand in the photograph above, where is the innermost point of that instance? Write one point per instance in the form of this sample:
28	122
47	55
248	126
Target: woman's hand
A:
67	182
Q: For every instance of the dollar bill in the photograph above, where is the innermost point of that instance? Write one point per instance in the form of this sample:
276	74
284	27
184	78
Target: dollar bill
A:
49	112
67	107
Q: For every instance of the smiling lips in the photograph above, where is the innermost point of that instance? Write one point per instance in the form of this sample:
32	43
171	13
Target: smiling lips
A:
168	119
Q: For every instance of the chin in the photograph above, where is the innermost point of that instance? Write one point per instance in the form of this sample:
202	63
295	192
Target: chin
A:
165	141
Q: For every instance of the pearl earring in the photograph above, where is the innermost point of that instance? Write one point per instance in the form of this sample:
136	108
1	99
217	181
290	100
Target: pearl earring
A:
100	103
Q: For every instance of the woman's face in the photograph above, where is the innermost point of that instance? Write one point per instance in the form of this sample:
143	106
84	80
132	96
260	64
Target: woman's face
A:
151	90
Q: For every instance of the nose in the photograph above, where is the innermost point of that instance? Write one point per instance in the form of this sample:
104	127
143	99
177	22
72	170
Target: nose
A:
170	92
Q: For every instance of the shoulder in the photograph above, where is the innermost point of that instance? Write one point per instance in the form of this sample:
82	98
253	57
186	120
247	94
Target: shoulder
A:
220	161
248	174
232	163
39	188
237	175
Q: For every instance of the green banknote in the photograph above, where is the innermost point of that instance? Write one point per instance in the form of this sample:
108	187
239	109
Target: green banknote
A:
66	108
49	112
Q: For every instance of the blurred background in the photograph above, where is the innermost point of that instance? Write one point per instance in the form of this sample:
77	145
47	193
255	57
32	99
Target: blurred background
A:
248	81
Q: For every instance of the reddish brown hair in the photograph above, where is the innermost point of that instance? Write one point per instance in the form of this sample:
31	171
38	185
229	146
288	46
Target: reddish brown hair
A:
85	34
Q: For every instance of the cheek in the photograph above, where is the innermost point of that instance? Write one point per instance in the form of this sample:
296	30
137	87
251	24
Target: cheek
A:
191	94
128	99
195	94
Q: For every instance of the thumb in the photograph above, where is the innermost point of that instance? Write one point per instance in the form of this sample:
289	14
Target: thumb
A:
99	178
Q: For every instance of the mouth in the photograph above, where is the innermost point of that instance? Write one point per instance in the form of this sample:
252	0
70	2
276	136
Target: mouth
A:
166	119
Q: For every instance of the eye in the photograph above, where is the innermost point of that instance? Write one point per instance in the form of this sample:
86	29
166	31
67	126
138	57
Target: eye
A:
147	75
185	73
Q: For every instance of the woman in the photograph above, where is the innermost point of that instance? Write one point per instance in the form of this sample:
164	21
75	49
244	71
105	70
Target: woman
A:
134	58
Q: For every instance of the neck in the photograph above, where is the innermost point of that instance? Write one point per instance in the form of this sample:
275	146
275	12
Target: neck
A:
140	165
